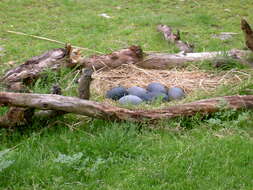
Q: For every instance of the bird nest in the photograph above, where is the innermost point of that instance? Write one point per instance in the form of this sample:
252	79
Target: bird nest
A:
190	79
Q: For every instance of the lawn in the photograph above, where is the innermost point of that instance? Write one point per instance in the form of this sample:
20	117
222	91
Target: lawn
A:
76	152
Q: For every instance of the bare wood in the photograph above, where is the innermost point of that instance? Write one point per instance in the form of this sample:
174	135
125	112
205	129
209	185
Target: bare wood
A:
109	112
131	55
167	61
30	70
18	78
84	84
175	38
69	57
134	55
56	89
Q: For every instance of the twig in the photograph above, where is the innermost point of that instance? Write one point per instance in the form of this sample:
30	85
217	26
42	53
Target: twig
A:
51	40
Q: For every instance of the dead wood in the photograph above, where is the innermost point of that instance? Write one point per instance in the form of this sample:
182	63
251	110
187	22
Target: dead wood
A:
248	33
113	113
84	84
29	71
168	61
17	79
175	38
131	55
45	114
135	55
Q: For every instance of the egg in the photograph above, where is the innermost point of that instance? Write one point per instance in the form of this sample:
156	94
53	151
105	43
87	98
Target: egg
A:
151	96
116	93
130	99
157	87
176	93
137	91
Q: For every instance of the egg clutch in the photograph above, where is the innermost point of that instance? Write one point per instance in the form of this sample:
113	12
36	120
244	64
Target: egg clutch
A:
136	95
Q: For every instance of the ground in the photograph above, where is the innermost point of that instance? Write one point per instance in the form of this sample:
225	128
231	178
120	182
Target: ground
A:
213	152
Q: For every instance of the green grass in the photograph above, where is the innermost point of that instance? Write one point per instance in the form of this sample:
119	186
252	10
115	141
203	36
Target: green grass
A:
75	152
118	156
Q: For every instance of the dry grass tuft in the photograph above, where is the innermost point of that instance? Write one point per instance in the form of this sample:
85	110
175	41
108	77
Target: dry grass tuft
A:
190	79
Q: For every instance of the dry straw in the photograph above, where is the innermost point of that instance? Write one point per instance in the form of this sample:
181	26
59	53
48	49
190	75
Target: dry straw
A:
190	79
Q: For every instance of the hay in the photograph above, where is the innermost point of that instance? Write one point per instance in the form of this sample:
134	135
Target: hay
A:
190	79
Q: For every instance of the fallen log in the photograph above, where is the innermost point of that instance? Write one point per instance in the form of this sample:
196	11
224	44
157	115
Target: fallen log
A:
17	80
26	73
130	55
175	38
113	113
168	61
56	89
134	55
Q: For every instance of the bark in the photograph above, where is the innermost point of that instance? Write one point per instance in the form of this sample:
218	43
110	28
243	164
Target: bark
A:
130	55
167	61
113	113
45	114
248	34
17	79
175	38
134	55
25	74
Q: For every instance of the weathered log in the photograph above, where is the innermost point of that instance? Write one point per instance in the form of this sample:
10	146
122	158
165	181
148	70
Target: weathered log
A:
167	61
175	38
248	33
134	55
131	55
17	79
54	59
84	84
28	72
109	112
56	89
17	116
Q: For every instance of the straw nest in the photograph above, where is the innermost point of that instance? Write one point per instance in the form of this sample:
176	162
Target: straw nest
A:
190	79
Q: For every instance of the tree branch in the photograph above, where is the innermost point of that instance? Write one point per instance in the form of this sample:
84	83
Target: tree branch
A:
175	38
113	113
